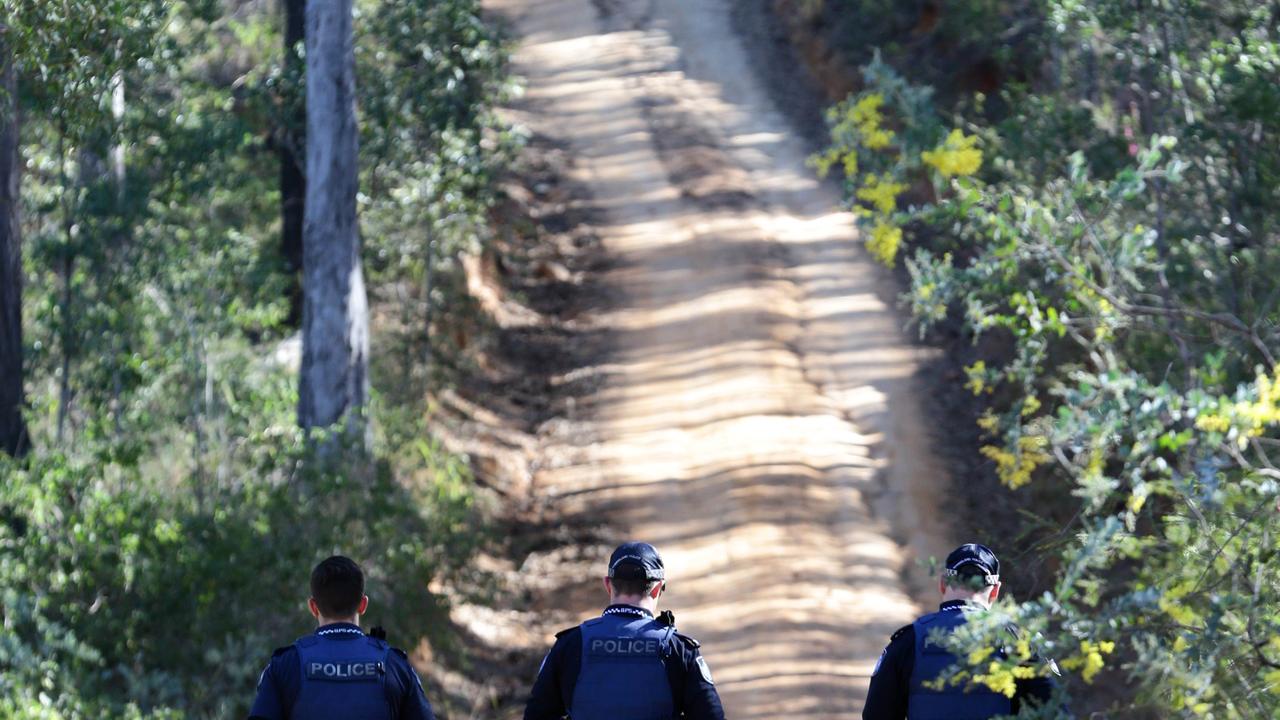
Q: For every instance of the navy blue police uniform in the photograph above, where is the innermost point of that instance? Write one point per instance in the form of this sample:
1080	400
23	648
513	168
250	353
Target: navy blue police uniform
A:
339	673
913	660
625	664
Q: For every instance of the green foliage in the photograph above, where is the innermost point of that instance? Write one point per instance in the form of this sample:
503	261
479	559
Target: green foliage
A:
1120	246
155	545
122	591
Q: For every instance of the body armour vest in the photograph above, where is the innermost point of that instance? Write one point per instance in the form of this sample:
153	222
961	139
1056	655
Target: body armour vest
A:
342	679
623	676
952	702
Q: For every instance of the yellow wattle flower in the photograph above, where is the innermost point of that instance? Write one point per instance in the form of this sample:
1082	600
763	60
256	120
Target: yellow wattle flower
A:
884	242
881	193
956	156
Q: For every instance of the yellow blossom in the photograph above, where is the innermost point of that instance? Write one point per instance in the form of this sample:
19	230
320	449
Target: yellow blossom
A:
1251	417
1030	406
977	373
1090	661
866	116
1023	649
851	165
999	679
1170	603
1213	422
979	655
884	242
1014	468
882	195
877	138
956	156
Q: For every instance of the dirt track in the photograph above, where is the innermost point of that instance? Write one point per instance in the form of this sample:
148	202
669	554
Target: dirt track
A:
757	420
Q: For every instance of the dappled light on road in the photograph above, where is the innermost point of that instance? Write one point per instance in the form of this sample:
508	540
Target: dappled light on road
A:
758	375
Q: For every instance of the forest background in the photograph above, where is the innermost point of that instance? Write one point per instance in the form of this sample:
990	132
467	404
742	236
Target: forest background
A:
1081	195
167	491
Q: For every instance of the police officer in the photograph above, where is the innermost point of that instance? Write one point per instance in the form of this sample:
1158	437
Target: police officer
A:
626	664
339	673
970	583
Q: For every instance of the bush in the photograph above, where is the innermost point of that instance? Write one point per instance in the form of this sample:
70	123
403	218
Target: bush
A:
1116	237
125	595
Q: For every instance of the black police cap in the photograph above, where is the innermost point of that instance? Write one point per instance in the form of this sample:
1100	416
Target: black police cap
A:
976	556
636	561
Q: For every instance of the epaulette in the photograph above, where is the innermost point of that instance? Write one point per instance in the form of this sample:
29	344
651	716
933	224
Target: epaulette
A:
400	652
899	632
281	650
687	640
566	631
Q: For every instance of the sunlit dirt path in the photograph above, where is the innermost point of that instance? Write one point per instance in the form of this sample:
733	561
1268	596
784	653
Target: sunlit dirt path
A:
757	420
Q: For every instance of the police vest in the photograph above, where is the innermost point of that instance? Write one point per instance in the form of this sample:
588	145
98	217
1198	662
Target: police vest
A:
953	702
623	676
343	678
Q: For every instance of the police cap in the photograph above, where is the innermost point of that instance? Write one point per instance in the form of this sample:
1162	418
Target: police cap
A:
636	561
978	557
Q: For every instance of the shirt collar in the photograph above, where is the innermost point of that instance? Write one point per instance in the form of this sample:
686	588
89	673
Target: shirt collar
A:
627	610
339	630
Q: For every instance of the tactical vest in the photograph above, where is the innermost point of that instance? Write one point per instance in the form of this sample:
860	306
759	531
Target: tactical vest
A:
343	679
952	702
623	676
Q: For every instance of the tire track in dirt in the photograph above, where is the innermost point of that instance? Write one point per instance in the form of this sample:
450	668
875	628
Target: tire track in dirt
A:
757	400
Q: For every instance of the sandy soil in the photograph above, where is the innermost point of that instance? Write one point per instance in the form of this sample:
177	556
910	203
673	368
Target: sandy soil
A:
757	420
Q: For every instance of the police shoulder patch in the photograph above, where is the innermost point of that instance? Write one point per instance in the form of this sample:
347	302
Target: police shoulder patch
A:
879	662
705	670
687	640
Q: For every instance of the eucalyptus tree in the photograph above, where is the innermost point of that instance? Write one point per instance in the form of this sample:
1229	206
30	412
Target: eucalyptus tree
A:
335	339
13	430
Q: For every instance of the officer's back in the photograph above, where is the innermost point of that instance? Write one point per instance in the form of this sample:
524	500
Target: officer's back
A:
339	673
626	664
905	682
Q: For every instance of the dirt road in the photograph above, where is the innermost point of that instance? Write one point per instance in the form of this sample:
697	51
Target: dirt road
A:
757	420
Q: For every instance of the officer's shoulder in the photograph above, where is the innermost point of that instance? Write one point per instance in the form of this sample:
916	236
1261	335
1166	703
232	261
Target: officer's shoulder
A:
689	641
901	633
282	651
567	631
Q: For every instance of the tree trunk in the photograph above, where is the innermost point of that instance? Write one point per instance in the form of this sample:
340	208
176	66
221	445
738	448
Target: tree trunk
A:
13	430
291	148
335	335
119	174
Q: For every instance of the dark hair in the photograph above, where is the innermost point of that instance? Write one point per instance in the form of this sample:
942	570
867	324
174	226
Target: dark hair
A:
337	586
632	586
968	577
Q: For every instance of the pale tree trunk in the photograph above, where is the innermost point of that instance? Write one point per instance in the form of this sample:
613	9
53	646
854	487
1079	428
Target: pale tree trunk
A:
119	175
335	334
13	431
